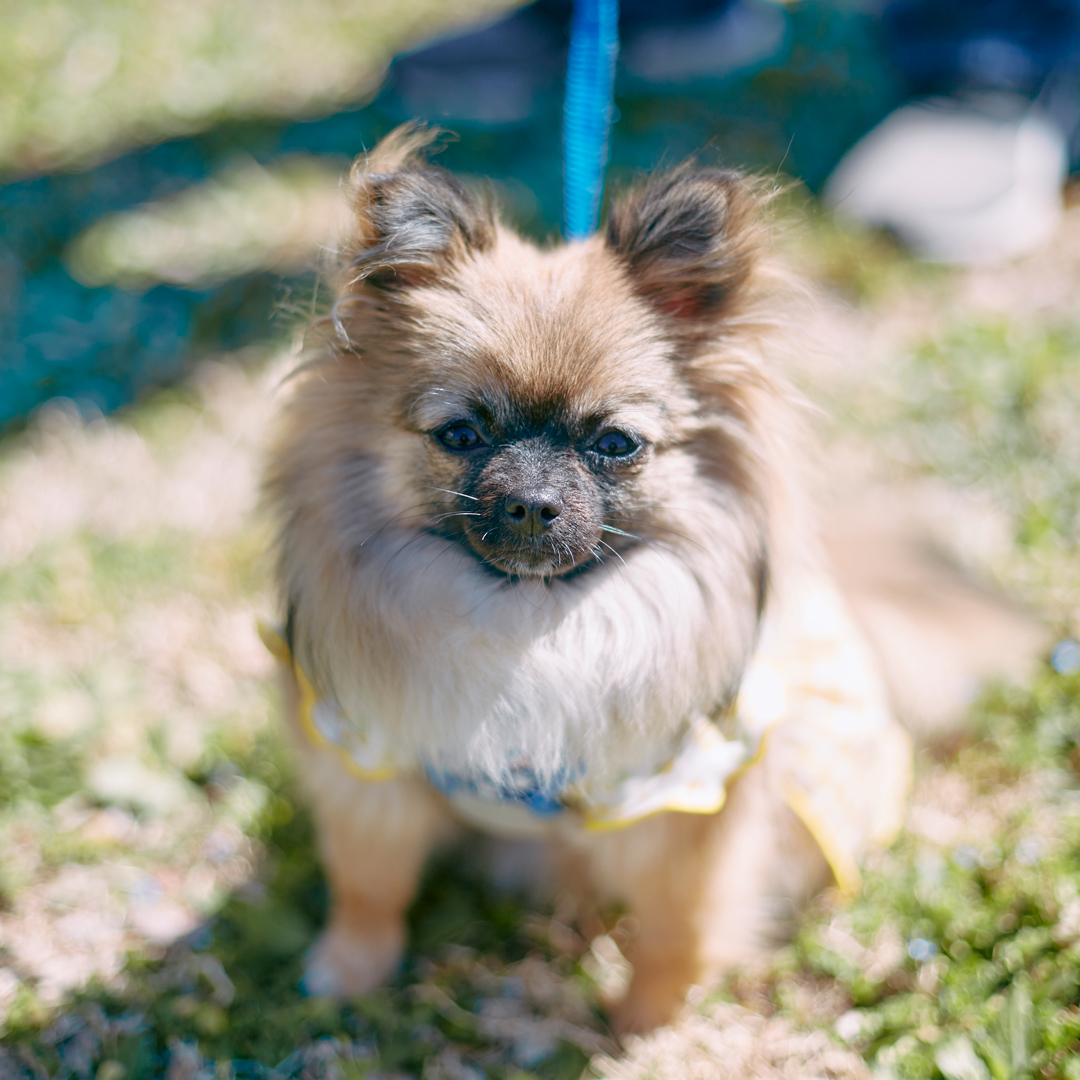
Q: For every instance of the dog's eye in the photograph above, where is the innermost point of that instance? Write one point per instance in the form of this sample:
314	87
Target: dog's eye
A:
615	444
460	436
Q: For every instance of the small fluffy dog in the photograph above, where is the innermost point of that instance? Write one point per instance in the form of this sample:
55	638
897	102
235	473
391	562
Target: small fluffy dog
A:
547	572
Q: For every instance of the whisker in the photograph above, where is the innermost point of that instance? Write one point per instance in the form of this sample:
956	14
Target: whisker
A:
619	532
665	528
459	493
428	537
435	558
455	513
613	551
406	515
640	539
660	546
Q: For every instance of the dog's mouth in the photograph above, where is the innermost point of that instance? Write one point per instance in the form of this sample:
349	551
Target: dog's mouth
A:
540	557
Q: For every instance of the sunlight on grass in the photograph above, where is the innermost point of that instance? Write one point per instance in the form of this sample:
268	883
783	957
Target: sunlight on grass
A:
81	78
965	942
247	218
993	406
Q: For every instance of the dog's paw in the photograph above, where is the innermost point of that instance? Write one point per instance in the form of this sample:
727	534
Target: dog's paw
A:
345	963
645	1008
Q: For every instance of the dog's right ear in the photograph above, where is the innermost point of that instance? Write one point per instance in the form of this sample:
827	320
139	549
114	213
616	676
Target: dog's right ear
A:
413	221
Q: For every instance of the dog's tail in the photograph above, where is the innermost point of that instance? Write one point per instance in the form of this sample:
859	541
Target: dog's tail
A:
940	633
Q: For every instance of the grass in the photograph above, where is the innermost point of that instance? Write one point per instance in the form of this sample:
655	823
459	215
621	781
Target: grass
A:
144	788
158	879
960	959
80	80
994	404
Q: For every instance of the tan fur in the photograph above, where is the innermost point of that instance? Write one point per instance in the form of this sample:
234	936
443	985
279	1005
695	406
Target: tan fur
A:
373	839
708	892
595	646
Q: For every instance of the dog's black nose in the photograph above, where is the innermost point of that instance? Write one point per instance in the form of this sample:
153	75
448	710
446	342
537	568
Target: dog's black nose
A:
531	512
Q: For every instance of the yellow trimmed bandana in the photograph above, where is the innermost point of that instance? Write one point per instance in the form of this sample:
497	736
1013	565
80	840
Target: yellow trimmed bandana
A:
843	763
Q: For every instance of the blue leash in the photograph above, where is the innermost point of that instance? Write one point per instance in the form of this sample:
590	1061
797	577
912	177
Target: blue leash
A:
590	76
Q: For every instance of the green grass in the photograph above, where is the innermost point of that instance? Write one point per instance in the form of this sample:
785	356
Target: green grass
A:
137	714
995	405
957	961
82	78
233	987
978	945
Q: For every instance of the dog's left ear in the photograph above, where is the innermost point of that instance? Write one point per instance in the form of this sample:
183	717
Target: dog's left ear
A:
689	242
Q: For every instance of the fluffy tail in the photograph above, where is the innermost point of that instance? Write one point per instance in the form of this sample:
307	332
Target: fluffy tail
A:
940	633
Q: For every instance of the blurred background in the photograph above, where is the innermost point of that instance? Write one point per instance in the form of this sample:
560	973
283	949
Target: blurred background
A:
170	185
169	171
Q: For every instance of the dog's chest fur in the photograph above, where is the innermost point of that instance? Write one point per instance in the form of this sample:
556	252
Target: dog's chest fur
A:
474	674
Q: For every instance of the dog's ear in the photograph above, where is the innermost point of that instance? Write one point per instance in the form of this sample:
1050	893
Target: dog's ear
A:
413	221
689	242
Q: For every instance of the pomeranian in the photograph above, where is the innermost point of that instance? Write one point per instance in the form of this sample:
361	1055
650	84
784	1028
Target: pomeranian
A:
547	571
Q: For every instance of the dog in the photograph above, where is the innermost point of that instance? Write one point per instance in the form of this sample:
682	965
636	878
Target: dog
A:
548	569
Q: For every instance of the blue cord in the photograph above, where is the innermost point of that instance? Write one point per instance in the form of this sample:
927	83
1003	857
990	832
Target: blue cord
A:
590	75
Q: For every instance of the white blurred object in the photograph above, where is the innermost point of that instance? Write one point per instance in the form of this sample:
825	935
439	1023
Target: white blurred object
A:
972	181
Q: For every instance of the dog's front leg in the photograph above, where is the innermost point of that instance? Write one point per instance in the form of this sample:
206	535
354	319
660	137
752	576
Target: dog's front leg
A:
656	867
707	892
374	837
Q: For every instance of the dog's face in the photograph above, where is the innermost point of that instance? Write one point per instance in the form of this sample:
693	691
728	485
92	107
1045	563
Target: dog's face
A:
541	478
544	409
535	406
